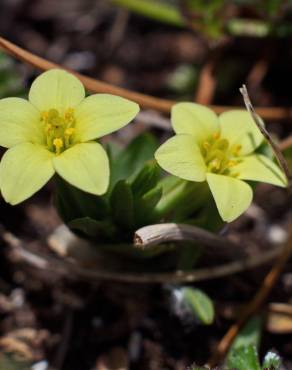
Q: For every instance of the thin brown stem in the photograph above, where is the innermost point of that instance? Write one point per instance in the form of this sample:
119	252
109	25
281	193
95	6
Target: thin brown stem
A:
145	101
259	123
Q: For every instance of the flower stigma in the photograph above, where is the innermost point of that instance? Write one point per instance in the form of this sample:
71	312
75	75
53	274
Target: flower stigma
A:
219	156
58	129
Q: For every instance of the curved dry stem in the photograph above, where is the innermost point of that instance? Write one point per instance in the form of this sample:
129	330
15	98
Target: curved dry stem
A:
151	235
72	271
145	101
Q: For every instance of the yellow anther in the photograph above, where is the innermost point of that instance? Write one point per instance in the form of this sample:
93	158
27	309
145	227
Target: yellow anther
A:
44	116
206	145
69	113
58	144
231	164
216	135
216	164
237	149
69	131
48	128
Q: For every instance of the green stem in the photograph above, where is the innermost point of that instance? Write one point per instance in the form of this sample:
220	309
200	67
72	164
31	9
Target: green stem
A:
153	9
180	198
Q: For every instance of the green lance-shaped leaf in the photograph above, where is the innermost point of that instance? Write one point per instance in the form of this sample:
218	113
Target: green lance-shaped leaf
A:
122	205
200	304
243	353
144	207
131	160
73	203
146	179
244	358
154	9
92	228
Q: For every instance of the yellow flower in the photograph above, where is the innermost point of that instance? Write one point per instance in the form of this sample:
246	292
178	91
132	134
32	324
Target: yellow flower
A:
55	131
219	150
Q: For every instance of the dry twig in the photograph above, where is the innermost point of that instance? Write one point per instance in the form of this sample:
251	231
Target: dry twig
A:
151	235
70	270
278	154
145	101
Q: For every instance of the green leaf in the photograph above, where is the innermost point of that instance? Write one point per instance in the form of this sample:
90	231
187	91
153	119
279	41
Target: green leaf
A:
243	354
73	203
271	361
157	10
91	227
132	159
144	207
250	334
146	179
200	304
122	205
244	358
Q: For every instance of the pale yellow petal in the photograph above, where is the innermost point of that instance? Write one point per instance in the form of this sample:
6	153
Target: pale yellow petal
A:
182	157
194	119
85	166
260	168
19	123
239	129
101	114
56	89
232	196
24	169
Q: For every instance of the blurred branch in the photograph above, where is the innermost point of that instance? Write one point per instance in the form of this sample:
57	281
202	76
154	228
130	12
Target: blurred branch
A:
145	101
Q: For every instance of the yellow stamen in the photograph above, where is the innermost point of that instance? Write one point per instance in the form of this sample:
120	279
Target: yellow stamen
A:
44	116
58	144
231	164
69	131
237	149
48	128
69	113
216	135
216	164
206	145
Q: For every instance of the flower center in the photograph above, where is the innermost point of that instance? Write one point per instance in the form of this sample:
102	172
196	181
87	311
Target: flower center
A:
219	156
58	129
